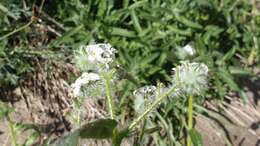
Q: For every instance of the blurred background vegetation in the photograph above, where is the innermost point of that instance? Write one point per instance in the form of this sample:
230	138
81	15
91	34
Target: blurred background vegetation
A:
147	34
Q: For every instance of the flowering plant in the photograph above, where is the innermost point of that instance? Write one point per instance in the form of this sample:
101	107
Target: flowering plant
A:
189	79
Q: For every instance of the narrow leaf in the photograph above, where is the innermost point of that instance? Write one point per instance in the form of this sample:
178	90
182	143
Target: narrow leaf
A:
69	140
196	138
9	13
66	36
135	21
123	32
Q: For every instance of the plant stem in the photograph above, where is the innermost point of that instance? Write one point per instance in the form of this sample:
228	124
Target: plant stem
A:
17	30
11	128
26	25
150	108
109	97
190	122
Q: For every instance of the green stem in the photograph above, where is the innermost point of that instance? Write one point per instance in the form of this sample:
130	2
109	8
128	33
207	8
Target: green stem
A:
109	97
150	108
11	128
190	122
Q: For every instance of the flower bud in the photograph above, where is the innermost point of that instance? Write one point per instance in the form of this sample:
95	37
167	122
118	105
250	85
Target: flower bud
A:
192	77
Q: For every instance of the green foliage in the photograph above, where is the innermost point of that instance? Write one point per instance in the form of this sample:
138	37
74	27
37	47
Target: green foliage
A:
147	34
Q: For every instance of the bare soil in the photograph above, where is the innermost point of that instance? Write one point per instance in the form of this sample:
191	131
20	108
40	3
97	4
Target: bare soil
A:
232	122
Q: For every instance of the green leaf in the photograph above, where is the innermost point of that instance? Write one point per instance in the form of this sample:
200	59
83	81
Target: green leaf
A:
138	4
147	60
4	110
196	138
174	29
123	32
101	8
23	127
152	130
238	70
100	129
188	22
228	78
204	3
119	136
227	56
243	95
66	36
9	13
31	139
69	140
135	21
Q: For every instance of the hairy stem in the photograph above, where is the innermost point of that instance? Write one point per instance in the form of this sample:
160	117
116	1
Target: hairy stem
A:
190	122
150	108
109	97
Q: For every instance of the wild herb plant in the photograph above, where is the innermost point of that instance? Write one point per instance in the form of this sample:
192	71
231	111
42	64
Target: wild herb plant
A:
189	79
149	36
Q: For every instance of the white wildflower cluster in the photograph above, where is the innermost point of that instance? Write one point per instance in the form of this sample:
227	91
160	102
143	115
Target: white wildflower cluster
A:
94	60
185	52
192	77
96	57
102	53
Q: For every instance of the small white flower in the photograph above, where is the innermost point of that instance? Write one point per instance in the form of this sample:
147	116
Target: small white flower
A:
85	78
94	53
189	50
102	53
191	76
96	57
185	52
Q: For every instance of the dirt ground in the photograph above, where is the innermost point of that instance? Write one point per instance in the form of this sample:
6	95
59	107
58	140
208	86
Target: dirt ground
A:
232	122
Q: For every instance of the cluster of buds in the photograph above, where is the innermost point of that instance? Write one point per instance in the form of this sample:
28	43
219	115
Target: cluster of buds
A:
102	54
192	77
93	60
96	57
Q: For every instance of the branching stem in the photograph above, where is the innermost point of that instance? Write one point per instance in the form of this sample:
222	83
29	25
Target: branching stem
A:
150	108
